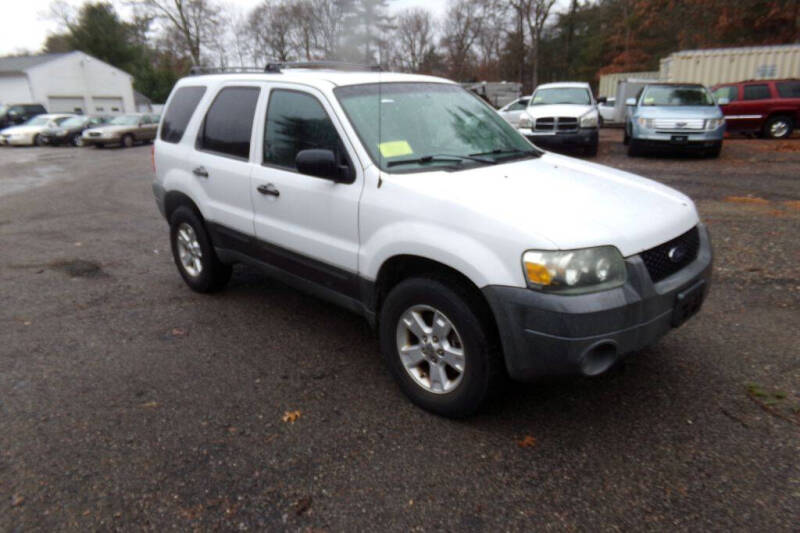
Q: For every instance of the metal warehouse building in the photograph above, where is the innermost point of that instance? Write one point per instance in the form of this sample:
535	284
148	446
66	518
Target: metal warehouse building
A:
70	82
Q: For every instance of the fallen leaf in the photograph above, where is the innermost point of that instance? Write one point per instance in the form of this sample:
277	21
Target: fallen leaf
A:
150	405
291	416
17	500
746	200
302	505
527	442
178	332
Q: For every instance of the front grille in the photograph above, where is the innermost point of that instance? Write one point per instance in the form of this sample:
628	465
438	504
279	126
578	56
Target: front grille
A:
678	124
556	123
658	261
545	124
567	124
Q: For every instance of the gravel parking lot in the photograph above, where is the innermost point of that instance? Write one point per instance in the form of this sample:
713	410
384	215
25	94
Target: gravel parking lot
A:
129	402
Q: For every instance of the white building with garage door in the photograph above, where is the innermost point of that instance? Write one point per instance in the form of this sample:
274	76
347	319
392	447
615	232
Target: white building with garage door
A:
66	83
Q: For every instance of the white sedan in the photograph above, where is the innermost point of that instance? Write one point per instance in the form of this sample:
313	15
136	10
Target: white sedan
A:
29	133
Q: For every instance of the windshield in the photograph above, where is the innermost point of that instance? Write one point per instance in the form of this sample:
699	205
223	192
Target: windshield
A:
680	95
561	95
125	120
421	123
41	120
73	122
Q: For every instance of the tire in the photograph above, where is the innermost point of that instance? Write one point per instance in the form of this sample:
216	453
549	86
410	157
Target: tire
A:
778	127
77	141
99	145
714	152
634	149
626	139
591	150
205	272
455	394
127	141
37	140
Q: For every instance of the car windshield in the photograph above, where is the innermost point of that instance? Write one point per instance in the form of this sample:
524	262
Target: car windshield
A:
415	126
125	120
73	122
40	120
676	95
561	95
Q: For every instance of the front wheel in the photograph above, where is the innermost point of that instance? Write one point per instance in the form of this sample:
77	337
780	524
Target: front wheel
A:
77	140
127	141
437	346
634	149
778	127
193	253
38	141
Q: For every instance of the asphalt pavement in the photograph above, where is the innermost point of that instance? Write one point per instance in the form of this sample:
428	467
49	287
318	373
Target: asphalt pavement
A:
128	402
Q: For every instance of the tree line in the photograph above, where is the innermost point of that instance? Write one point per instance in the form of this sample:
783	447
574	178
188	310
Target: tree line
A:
529	41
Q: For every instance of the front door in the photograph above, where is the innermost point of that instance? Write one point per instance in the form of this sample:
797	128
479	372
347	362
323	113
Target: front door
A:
306	225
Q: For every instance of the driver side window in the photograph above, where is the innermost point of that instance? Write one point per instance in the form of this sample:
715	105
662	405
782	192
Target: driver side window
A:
297	121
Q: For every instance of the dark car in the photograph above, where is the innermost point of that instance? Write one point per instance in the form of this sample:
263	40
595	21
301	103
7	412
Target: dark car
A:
70	131
13	114
770	108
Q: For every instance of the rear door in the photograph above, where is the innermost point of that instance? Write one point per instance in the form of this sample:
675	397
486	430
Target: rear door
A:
753	107
220	160
306	225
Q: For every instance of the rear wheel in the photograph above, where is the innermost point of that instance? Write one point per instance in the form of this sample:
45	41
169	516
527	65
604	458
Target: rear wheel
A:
77	140
437	346
779	127
193	253
127	141
38	141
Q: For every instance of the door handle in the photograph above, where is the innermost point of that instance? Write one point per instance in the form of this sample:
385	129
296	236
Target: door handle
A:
200	172
268	189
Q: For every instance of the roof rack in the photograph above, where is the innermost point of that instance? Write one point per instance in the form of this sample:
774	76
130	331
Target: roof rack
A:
332	65
277	67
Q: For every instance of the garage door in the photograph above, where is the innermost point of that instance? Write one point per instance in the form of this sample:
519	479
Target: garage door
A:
107	104
65	104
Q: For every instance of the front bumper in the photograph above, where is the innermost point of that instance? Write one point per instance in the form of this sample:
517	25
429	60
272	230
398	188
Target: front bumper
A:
19	140
677	138
582	138
548	335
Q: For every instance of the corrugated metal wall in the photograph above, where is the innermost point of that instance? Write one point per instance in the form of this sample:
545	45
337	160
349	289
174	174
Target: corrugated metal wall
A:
722	65
608	82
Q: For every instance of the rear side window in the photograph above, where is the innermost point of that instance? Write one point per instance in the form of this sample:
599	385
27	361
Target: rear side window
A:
296	121
229	122
757	92
180	111
788	89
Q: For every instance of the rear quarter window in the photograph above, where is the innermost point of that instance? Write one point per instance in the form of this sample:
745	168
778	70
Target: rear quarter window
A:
757	92
180	111
788	89
229	122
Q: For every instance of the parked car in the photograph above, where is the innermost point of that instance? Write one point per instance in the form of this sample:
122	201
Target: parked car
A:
513	111
30	133
13	114
770	108
562	115
673	116
125	130
472	252
70	131
607	108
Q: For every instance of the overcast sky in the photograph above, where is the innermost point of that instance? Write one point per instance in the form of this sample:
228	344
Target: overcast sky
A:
25	25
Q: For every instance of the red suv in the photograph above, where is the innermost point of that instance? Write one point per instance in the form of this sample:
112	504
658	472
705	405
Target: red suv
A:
768	107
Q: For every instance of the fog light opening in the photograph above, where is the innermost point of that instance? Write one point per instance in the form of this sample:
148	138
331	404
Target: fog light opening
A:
598	358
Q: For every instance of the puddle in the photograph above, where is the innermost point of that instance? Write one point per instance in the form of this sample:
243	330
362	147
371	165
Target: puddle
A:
79	268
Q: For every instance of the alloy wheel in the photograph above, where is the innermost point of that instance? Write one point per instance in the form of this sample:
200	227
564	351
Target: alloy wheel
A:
189	250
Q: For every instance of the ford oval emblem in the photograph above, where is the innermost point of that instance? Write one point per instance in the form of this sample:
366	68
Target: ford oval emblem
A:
676	253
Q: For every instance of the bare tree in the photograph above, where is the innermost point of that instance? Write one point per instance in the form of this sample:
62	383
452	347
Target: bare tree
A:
270	30
462	25
197	22
491	32
415	36
532	15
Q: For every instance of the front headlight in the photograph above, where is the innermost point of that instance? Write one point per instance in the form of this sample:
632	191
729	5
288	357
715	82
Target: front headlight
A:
589	120
645	122
525	121
574	271
714	123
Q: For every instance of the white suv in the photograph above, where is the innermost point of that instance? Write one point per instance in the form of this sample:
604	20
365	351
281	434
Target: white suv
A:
408	200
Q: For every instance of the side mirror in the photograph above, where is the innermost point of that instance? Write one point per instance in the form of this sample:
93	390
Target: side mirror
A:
723	101
602	100
630	101
322	164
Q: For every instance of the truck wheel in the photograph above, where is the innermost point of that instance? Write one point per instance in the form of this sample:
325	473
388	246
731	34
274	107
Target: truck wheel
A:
715	150
591	150
193	254
127	141
437	347
626	139
779	127
634	149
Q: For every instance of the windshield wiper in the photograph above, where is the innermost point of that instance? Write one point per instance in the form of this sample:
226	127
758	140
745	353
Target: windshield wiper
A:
440	157
510	151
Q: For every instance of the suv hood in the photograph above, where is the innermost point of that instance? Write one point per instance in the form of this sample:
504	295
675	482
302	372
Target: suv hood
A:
560	202
560	110
675	112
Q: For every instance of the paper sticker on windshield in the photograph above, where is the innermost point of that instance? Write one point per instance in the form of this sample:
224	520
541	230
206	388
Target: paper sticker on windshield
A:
395	148
648	100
